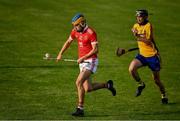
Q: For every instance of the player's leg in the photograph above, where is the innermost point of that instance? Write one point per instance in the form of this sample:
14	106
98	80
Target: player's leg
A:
156	77
83	75
154	65
89	86
133	67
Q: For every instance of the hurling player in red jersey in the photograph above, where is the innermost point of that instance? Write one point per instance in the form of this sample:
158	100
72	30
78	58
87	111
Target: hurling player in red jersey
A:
88	60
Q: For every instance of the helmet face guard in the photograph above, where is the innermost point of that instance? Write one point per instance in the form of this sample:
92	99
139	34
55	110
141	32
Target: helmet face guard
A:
142	16
141	13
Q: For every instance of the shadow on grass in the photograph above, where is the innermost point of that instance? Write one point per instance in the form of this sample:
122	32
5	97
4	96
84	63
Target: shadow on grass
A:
144	113
171	103
103	115
72	65
161	113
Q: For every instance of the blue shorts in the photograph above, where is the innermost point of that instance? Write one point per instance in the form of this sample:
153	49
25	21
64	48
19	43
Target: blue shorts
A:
152	62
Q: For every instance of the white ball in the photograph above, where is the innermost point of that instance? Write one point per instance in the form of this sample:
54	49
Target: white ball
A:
47	55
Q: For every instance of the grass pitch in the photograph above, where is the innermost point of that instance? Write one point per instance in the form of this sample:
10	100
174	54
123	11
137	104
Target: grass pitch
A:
34	89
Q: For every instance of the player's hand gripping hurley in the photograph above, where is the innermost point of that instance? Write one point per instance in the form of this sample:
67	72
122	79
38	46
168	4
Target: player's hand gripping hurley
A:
122	51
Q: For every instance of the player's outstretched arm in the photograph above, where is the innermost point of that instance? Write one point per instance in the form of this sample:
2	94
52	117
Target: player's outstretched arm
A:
64	48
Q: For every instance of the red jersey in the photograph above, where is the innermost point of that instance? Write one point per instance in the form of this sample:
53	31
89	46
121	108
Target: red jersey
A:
85	40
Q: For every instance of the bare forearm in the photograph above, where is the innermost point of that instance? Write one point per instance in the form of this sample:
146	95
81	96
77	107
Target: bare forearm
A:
65	46
92	52
142	39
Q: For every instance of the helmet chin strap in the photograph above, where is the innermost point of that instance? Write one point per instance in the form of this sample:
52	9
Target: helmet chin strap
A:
145	22
83	25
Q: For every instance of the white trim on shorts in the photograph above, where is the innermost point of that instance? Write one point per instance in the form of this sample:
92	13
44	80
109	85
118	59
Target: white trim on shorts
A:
89	64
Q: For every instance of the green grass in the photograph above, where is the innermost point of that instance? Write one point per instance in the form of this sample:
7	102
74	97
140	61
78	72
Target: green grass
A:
31	88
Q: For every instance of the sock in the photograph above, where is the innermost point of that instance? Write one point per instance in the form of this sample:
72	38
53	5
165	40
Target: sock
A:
140	83
108	86
80	107
163	96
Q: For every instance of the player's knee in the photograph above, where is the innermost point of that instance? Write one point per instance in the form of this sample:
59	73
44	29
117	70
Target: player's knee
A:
88	89
132	69
79	83
157	81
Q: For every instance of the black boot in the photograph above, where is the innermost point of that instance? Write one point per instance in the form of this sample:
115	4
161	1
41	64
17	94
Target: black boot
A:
111	88
78	112
139	89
